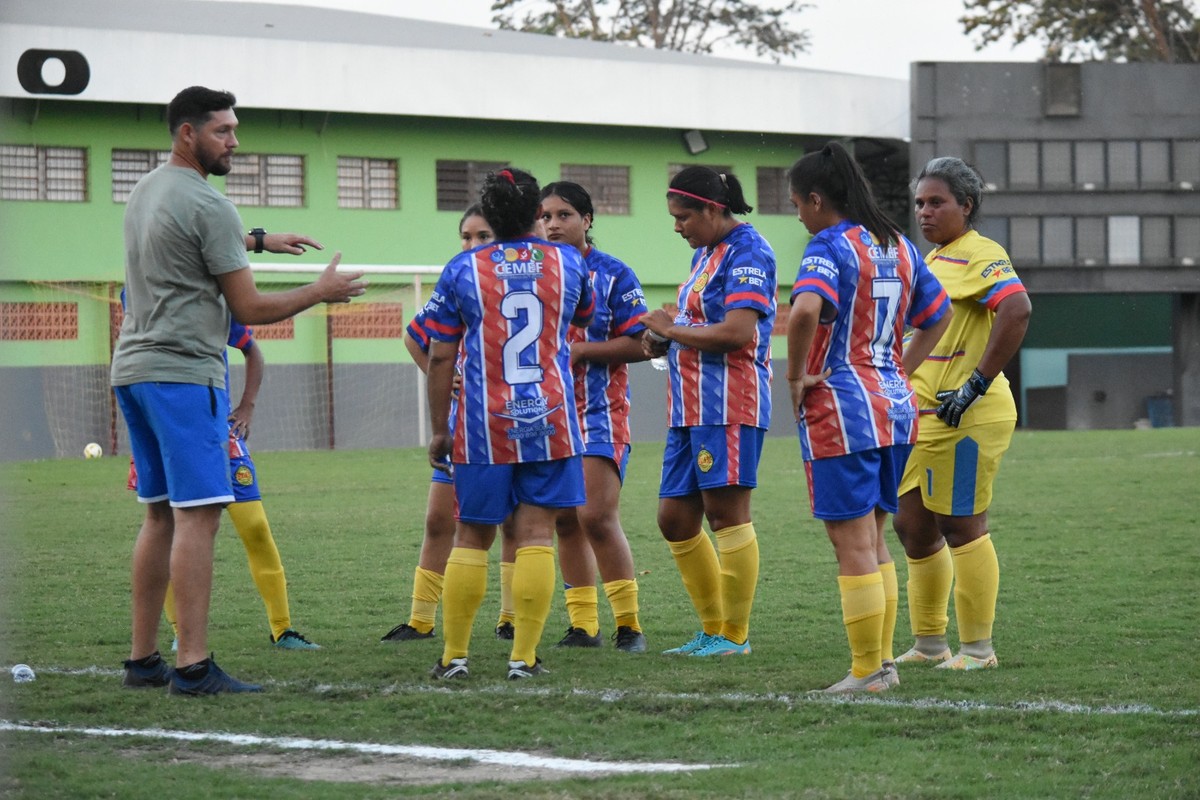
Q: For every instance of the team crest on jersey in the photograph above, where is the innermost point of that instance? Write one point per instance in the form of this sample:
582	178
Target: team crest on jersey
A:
243	475
700	283
704	460
538	255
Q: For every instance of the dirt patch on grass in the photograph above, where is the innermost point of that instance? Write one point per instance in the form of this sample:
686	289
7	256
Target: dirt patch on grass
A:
375	770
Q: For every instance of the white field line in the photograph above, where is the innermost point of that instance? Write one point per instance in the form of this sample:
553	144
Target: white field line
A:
492	757
893	700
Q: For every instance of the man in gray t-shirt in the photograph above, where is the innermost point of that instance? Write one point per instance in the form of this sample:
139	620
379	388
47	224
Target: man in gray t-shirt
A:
185	273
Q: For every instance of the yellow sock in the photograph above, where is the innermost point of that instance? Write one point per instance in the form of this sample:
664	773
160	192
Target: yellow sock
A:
738	545
976	584
250	520
862	613
929	581
697	561
583	608
533	589
623	597
169	610
506	593
426	593
464	584
891	600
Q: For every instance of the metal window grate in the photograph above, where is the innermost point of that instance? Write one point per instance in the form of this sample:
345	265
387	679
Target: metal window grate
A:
266	180
774	196
367	183
38	321
608	185
130	166
56	174
459	182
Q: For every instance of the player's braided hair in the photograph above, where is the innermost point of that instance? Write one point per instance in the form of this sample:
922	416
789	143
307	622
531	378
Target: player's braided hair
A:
576	197
510	202
697	186
834	174
194	105
962	179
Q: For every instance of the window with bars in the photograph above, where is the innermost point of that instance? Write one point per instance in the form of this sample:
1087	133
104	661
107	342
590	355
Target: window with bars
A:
130	166
266	180
367	182
608	185
459	182
57	174
1088	241
774	196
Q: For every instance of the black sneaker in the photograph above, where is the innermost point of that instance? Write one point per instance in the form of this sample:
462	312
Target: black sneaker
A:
518	670
215	681
504	631
578	637
405	633
629	641
455	670
152	676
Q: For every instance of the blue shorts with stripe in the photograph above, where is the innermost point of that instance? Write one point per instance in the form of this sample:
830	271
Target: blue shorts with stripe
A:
854	485
705	457
488	493
179	437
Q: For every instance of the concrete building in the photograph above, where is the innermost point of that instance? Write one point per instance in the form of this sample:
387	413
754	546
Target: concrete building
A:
1093	173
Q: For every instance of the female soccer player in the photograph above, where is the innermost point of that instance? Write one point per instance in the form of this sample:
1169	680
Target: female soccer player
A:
859	285
591	537
947	485
474	231
719	404
516	445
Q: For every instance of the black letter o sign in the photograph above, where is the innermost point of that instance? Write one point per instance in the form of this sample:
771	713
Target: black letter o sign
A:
29	71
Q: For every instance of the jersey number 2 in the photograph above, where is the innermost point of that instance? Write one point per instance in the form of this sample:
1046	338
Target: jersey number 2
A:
511	307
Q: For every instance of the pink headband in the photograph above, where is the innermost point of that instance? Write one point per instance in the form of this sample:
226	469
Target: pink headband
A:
696	197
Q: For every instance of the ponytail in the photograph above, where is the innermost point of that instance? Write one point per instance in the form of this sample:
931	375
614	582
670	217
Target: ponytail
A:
834	174
509	200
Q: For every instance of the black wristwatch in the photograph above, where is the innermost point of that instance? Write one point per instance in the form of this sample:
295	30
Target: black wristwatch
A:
258	234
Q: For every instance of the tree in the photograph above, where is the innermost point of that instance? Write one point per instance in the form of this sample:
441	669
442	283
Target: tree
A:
1108	30
693	26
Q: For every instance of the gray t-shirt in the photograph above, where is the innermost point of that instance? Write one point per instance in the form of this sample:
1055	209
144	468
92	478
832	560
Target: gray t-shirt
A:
180	233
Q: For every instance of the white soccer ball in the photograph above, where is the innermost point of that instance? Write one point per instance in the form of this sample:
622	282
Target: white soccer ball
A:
92	450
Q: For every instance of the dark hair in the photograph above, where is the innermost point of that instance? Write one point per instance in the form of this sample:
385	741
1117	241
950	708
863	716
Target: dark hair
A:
509	200
696	187
576	197
473	210
832	173
962	179
195	104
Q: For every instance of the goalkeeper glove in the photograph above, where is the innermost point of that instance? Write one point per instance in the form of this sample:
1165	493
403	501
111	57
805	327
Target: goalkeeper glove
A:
955	402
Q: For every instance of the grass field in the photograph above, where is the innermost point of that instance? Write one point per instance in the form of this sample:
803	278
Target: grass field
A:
1098	535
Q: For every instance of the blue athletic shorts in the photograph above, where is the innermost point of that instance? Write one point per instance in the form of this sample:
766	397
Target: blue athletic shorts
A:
710	457
616	453
179	436
242	474
441	477
488	493
852	486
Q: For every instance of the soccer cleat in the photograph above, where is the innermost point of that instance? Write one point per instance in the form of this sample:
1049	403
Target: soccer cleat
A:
720	646
876	682
578	637
215	681
292	640
405	633
891	676
518	670
154	676
455	670
504	631
629	641
915	656
698	641
963	661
